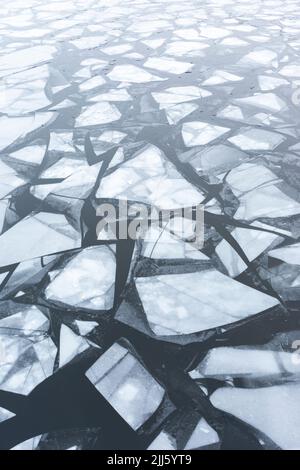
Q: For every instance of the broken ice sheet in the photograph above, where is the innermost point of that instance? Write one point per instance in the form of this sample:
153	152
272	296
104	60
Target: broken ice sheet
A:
168	242
28	351
132	74
249	176
192	302
5	414
252	242
179	111
201	133
247	363
214	159
268	101
259	57
289	254
124	382
150	178
176	95
87	281
37	235
10	181
25	58
257	139
32	154
100	113
166	64
13	129
256	407
70	345
221	76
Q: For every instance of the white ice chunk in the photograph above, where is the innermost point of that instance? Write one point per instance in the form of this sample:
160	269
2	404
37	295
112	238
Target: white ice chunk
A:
126	385
166	64
257	407
187	303
201	133
70	345
35	236
289	254
100	113
87	281
132	74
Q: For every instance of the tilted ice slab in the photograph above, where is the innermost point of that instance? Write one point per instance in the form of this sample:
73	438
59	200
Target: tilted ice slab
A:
87	281
132	74
166	64
126	385
201	133
14	129
192	302
100	113
175	95
252	242
289	254
245	363
10	180
257	139
25	58
270	410
28	353
37	235
149	178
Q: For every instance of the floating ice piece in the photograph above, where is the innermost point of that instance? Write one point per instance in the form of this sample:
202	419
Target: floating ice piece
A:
263	57
257	139
28	352
64	168
168	242
113	95
61	142
249	176
5	414
34	154
177	95
149	178
211	32
89	42
132	74
11	180
250	364
164	441
201	133
290	71
234	42
37	235
192	302
289	254
185	48
266	201
112	136
231	112
166	64
154	43
126	385
3	207
203	435
70	345
91	83
87	281
267	101
267	82
179	111
25	58
100	113
214	159
85	327
252	242
13	129
29	444
220	77
256	407
115	50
